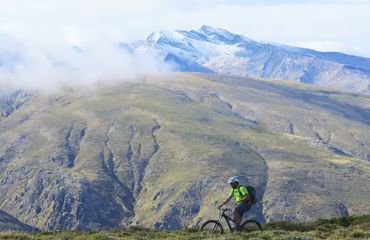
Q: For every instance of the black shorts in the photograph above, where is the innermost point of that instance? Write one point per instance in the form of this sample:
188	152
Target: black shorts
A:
242	208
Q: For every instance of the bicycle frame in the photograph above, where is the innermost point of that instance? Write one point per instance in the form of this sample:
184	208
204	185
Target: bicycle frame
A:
227	218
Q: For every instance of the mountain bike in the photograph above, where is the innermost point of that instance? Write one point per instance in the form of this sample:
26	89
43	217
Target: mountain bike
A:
215	226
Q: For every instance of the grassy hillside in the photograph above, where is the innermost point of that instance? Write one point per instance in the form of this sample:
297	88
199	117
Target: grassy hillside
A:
158	153
342	228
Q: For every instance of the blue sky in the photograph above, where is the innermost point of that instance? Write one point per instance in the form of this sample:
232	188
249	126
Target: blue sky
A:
328	25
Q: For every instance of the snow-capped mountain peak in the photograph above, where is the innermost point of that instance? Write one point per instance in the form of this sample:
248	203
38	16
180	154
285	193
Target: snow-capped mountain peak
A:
217	50
155	37
221	35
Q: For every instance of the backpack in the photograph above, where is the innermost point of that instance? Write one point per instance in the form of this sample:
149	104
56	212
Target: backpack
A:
252	193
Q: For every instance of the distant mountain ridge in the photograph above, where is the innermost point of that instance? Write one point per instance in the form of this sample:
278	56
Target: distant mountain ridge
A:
213	50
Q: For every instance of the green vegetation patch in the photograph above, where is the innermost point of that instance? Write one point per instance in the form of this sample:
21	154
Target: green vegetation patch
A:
336	228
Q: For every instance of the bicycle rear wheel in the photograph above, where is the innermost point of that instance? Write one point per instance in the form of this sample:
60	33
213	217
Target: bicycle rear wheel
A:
212	226
251	226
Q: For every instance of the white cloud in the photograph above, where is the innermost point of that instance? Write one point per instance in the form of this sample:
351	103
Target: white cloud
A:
43	30
271	20
53	58
75	36
329	46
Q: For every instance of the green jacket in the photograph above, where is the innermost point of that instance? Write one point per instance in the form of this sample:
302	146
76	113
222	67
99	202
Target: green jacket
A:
239	194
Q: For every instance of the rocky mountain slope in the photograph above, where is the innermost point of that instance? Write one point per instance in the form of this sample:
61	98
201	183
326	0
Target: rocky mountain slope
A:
216	50
158	152
8	223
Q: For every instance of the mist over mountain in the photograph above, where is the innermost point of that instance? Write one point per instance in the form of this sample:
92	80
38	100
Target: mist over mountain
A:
53	62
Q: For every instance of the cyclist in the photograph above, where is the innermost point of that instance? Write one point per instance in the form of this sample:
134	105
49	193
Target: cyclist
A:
242	199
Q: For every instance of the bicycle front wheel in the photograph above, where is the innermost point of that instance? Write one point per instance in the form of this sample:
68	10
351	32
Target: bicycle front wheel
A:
212	226
251	226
